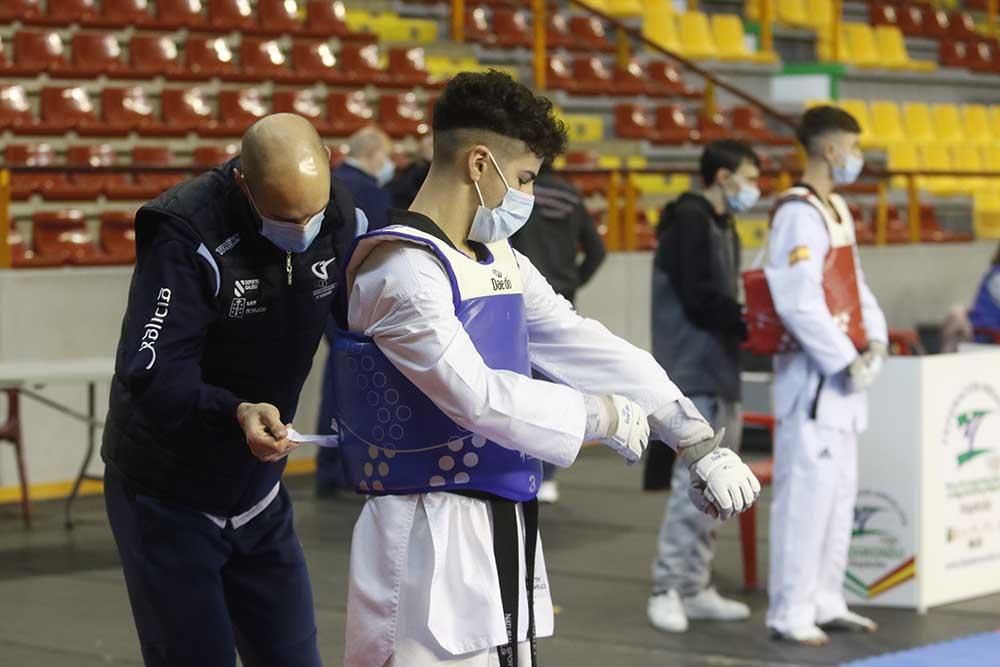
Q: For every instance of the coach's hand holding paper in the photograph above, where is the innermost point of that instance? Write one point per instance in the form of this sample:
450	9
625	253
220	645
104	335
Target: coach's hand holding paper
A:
266	436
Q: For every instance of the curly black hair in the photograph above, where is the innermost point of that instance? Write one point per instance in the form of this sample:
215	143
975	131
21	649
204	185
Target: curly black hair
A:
494	102
823	119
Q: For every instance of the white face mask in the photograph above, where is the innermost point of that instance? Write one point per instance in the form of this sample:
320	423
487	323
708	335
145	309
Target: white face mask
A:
495	224
743	200
848	172
291	236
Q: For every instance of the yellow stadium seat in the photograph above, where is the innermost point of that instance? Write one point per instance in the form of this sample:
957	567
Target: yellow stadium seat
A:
730	39
635	162
659	25
967	157
976	124
992	157
390	28
793	13
609	162
622	7
986	213
859	109
651	184
584	127
902	156
995	119
892	51
947	123
752	231
887	124
861	49
680	183
917	123
937	157
695	36
819	13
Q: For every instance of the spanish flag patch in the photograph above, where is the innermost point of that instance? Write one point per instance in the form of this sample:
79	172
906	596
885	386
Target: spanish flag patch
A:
799	254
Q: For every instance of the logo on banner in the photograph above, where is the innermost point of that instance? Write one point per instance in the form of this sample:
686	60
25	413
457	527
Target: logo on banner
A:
879	558
971	440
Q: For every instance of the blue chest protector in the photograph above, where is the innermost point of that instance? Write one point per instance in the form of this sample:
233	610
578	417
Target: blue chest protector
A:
394	439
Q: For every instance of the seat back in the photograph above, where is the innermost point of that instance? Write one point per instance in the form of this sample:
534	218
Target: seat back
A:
128	107
185	107
15	108
887	124
231	14
102	155
262	56
180	13
281	15
241	108
208	56
39	50
976	123
153	54
696	38
727	30
917	122
67	106
96	51
660	27
326	18
304	102
207	157
947	123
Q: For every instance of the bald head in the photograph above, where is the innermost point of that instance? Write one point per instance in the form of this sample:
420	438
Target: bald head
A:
285	168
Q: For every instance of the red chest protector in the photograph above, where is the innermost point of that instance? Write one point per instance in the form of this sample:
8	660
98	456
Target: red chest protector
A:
766	332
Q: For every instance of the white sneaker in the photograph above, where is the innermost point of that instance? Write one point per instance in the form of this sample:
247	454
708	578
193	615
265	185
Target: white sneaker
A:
666	612
708	605
850	622
809	636
548	492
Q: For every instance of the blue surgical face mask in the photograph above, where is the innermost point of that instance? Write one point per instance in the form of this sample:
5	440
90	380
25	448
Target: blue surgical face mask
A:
291	236
386	173
495	224
744	199
847	173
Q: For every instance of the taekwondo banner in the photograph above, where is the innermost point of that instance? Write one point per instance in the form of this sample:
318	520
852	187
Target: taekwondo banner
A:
927	518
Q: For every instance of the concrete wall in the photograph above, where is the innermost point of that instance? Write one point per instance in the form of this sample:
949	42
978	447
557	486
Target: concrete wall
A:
76	313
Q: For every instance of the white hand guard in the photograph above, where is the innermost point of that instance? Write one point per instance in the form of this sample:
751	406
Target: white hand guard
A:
619	423
721	484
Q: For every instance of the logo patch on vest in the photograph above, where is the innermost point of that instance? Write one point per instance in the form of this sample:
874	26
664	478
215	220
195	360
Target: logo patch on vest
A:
151	332
245	301
323	287
228	244
500	281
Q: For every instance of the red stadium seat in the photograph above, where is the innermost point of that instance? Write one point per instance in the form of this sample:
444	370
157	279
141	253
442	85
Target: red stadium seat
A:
15	109
326	19
953	54
184	110
559	76
634	122
511	28
23	185
630	80
147	185
557	33
38	51
981	56
750	125
96	53
118	236
173	14
153	55
24	257
407	67
305	103
477	27
590	34
65	109
592	77
261	59
4	62
123	13
962	26
88	186
238	110
207	57
937	25
665	81
360	65
913	21
226	15
882	13
20	10
313	61
712	127
348	112
587	184
64	234
280	16
207	157
124	110
401	116
64	12
673	126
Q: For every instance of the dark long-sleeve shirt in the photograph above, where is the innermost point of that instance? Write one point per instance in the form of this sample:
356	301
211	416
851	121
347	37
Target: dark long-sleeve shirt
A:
373	200
559	227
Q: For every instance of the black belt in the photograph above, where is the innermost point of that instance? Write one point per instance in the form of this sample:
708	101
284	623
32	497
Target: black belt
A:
505	547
